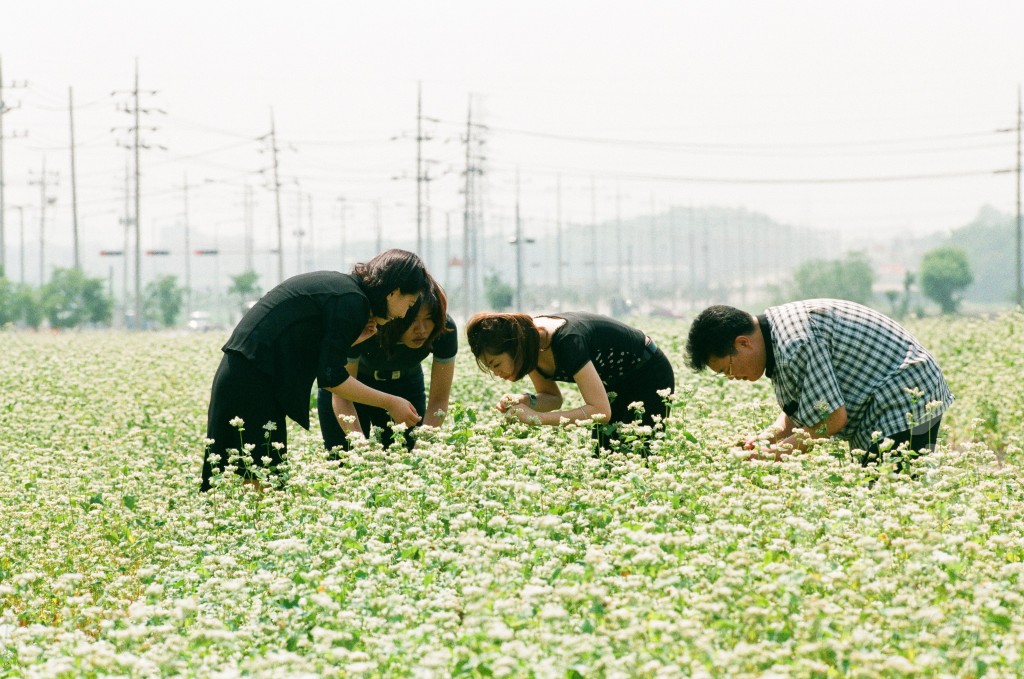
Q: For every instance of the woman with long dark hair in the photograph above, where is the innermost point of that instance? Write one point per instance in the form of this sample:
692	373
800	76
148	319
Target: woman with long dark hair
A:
613	364
300	332
391	363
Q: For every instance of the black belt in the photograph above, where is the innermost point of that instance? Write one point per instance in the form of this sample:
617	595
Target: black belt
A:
383	375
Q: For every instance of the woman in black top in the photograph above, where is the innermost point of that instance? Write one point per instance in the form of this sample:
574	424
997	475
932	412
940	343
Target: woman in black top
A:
301	331
391	363
613	364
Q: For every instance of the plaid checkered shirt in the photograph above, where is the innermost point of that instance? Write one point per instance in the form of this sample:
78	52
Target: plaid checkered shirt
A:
831	353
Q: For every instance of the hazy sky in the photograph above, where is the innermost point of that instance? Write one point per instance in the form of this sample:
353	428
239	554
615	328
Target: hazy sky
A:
816	113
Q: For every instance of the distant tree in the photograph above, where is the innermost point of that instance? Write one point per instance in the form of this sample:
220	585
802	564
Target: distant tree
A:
945	274
8	302
499	293
29	306
908	283
848	279
70	298
163	300
244	287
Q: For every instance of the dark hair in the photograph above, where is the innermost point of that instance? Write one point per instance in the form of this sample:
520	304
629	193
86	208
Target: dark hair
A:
389	271
714	332
512	334
436	301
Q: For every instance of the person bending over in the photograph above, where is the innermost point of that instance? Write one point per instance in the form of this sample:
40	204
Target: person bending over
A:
391	363
301	331
838	369
614	365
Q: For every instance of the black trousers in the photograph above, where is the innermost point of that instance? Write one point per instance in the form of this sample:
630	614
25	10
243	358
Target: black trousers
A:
922	442
409	387
241	390
641	385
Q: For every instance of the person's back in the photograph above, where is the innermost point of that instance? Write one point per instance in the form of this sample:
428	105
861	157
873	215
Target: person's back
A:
886	379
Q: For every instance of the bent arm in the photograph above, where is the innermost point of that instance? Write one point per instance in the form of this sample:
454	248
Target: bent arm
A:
344	409
595	399
441	376
398	408
784	440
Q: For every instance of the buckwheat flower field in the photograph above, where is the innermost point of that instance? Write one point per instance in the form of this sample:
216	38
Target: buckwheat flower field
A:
495	549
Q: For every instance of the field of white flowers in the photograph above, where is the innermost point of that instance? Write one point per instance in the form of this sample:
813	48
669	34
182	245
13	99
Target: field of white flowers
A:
496	550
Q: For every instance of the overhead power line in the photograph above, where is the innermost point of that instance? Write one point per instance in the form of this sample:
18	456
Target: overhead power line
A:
665	145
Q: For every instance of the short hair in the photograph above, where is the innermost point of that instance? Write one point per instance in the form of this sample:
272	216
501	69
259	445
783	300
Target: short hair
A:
512	334
389	271
436	301
714	333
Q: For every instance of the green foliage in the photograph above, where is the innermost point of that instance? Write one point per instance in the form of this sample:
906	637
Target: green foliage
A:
985	242
245	287
71	298
848	279
499	293
163	300
29	306
945	274
8	302
493	549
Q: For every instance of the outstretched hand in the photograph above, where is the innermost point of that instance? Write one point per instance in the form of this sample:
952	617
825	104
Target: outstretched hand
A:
403	412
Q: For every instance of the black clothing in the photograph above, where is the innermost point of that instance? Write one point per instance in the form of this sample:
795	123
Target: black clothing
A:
247	393
629	364
300	331
398	372
769	347
614	347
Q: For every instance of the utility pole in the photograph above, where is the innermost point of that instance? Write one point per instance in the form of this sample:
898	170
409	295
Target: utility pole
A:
419	168
127	241
138	218
44	199
136	110
4	109
519	250
558	240
298	232
1020	291
595	287
247	221
343	254
74	183
21	242
447	247
620	248
277	200
311	259
380	226
466	226
188	252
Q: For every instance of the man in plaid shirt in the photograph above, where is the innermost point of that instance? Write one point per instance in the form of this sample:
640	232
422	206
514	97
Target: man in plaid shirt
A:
838	369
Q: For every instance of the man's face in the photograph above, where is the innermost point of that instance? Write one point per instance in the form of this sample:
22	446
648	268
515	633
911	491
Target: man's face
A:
746	364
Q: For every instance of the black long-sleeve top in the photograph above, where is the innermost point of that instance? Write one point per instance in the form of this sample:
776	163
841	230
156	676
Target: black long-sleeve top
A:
301	331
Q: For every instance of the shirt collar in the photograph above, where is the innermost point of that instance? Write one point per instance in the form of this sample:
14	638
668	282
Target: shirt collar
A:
769	350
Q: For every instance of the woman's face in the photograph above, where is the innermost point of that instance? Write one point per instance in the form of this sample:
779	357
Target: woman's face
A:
417	334
501	365
398	305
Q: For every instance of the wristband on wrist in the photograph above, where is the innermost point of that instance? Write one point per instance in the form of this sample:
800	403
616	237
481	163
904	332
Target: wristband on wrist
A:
532	398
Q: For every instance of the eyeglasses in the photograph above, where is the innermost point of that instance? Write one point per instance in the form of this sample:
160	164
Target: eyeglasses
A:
727	373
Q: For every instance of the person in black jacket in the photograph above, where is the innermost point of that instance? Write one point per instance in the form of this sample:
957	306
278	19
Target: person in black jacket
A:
301	331
391	362
622	375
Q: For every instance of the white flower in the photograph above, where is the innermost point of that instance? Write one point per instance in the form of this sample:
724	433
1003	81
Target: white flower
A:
236	422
